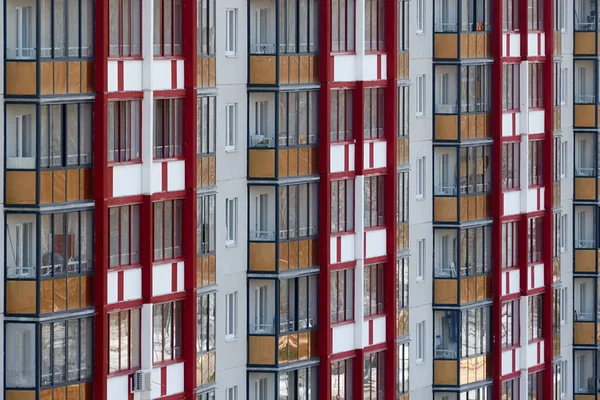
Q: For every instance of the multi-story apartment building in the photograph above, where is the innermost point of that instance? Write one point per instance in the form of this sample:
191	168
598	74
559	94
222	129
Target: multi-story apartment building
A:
300	199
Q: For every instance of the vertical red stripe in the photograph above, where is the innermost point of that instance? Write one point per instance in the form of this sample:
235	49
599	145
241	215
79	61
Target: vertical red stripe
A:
163	381
514	124
120	76
339	249
174	277
165	176
120	286
507	36
346	157
109	182
507	275
370	322
379	66
371	155
173	74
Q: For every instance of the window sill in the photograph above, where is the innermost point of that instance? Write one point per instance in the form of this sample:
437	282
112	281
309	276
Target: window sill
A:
420	280
231	55
422	198
168	362
229	245
341	323
420	116
420	362
231	150
229	339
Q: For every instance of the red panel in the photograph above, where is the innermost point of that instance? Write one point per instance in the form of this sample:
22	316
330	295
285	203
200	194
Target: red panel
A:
174	74
120	286
165	176
120	76
163	381
174	277
146	242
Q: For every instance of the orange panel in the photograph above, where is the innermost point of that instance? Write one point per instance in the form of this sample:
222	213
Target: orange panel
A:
73	184
20	395
262	70
73	392
60	186
20	187
21	78
74	297
294	255
261	163
284	256
60	295
294	70
60	77
87	76
74	77
87	291
21	297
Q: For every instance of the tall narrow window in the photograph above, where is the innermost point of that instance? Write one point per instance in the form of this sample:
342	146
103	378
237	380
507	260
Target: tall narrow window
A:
124	340
231	32
124	130
206	27
373	290
206	337
24	33
20	143
343	21
535	317
374	201
420	342
374	25
168	128
231	221
342	206
420	94
421	177
511	170
231	318
167	27
231	125
168	219
536	83
420	16
342	295
421	259
124	239
342	115
536	172
510	86
374	113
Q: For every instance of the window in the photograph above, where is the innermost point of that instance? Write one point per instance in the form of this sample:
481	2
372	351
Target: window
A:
342	295
125	21
124	340
535	317
21	246
510	323
260	324
476	81
65	135
511	171
374	376
564	153
231	126
403	369
298	211
510	15
343	19
535	385
168	127
23	44
374	113
20	355
21	139
421	181
420	342
260	389
476	332
66	244
560	84
167	339
168	229
298	119
206	27
536	173
561	374
374	25
167	27
420	92
342	114
298	26
402	197
510	86
475	170
404	25
510	389
560	17
420	26
475	250
564	229
298	384
402	284
341	379
65	29
534	239
421	260
231	221
231	319
342	206
297	304
536	83
206	337
231	393
124	130
403	109
231	34
374	201
124	239
206	225
563	306
373	300
535	15
207	128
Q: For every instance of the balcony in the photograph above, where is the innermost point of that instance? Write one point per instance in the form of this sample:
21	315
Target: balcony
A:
585	380
584	240
586	317
586	106
468	37
461	191
586	166
283	135
586	27
462	102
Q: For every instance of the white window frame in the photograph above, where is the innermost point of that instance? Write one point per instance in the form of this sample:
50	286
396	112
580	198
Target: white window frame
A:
24	248
24	35
564	311
563	87
564	151
420	96
231	221
421	259
231	317
231	393
420	343
260	310
420	17
231	31
260	389
17	147
564	232
564	379
421	178
231	126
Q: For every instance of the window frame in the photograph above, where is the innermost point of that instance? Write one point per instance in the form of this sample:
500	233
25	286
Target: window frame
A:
206	335
342	205
341	297
342	100
511	165
169	127
131	337
133	240
231	316
374	113
510	20
420	341
511	88
348	39
420	93
421	260
159	50
374	381
535	317
207	39
535	84
206	215
374	204
123	112
207	120
535	15
231	32
231	221
49	32
420	17
345	384
535	226
133	35
511	324
175	225
374	25
175	330
374	299
421	178
292	200
535	159
231	127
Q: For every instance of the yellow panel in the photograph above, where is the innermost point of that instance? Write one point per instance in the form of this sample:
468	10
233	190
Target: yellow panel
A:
585	115
21	78
21	297
261	350
262	256
47	77
261	163
444	209
445	45
445	291
446	127
585	188
60	77
20	187
262	70
583	333
585	43
20	395
445	372
585	260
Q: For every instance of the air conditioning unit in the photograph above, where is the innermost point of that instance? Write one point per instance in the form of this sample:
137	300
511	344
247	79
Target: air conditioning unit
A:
141	381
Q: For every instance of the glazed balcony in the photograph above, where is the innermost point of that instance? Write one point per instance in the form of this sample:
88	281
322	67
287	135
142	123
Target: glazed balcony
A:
585	240
585	381
586	317
461	189
586	167
283	134
457	363
462	265
462	29
287	324
462	102
280	52
586	105
300	383
586	28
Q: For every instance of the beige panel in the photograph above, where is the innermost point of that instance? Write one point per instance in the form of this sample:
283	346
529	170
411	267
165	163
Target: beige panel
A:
74	77
584	333
21	297
47	77
73	185
262	256
445	372
21	78
261	350
585	260
60	77
585	43
261	163
444	209
60	186
262	70
20	395
284	70
445	291
446	127
585	188
585	115
20	187
445	45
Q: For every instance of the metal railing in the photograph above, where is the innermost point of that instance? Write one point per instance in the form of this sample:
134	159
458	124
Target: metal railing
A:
262	235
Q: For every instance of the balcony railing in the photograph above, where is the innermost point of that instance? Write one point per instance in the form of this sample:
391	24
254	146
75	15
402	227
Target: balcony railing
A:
585	171
585	98
262	329
262	235
584	316
446	271
446	27
445	190
260	141
587	24
584	243
446	109
263	49
446	354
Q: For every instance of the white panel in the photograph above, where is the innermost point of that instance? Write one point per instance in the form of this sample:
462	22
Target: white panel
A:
515	283
542	44
507	124
532	42
517	124
132	284
512	200
156	382
180	74
504	288
532	201
176	175
505	38
367	155
127	180
375	243
132	75
384	66
343	338
113	76
378	330
180	276
532	354
156	177
336	158
369	67
161	279
344	69
379	154
515	45
174	379
113	287
117	388
333	250
365	333
161	74
536	121
350	157
542	197
507	358
538	275
348	248
518	357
